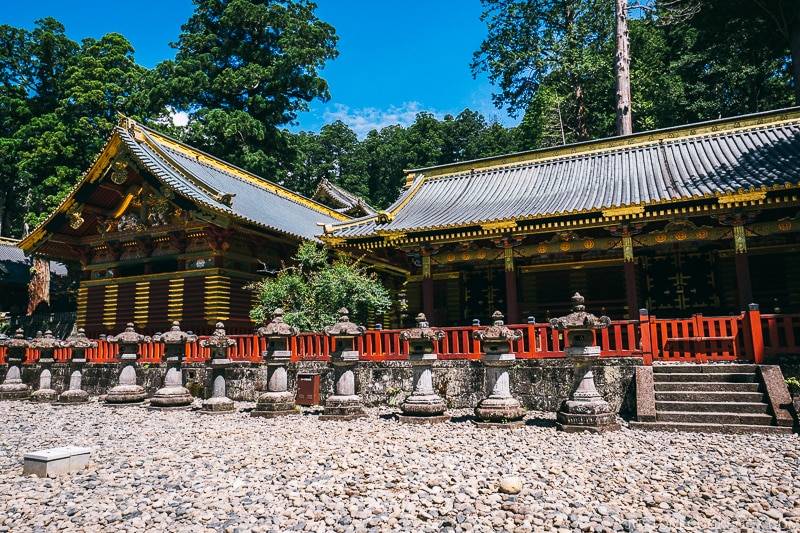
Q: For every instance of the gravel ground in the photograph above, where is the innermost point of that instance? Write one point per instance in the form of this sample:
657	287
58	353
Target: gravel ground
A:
183	471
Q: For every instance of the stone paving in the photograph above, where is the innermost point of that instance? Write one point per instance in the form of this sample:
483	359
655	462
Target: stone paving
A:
184	471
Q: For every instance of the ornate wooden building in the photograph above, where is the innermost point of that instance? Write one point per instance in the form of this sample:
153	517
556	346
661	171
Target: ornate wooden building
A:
164	232
694	219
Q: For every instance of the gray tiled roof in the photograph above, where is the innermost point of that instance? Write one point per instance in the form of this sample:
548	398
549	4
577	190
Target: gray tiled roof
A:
196	178
649	170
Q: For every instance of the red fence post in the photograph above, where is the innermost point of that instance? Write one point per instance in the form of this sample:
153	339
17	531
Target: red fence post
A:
645	337
754	336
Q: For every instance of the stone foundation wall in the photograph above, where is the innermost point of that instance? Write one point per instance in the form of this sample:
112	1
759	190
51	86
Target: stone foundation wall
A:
540	384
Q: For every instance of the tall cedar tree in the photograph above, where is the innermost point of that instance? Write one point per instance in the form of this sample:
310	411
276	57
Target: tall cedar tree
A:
242	69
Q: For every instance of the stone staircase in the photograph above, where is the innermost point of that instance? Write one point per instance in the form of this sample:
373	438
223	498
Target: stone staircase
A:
718	398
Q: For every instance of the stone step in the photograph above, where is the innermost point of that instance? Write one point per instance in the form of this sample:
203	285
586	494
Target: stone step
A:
711	407
709	396
663	386
710	417
705	369
716	377
711	428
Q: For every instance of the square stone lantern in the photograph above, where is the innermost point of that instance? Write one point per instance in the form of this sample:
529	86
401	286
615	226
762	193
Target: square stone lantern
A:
46	345
219	344
127	391
423	406
277	400
173	394
12	387
585	410
345	403
499	408
77	343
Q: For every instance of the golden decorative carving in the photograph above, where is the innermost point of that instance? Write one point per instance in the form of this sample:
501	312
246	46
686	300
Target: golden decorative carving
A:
542	248
588	244
739	240
119	172
565	246
465	256
74	216
627	249
752	196
481	254
498	225
451	258
701	234
623	211
661	237
681	236
784	225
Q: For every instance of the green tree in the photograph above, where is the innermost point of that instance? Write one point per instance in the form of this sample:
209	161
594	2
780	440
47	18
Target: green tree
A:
312	291
242	69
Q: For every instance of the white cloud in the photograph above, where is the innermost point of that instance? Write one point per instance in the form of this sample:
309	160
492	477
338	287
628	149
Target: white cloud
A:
366	119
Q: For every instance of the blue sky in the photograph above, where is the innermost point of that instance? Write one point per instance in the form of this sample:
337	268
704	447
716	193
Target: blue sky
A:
396	57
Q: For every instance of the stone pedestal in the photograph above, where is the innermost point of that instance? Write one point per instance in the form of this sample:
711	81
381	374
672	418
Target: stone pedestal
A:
219	344
585	410
12	387
499	407
277	401
345	404
423	406
127	391
77	342
46	345
173	394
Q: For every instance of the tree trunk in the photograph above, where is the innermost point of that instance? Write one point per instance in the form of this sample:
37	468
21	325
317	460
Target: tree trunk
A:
622	70
39	287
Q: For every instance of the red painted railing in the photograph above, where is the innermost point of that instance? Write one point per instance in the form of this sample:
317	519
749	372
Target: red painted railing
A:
746	337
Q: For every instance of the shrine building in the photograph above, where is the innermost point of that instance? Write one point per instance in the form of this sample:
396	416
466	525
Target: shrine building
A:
693	219
165	232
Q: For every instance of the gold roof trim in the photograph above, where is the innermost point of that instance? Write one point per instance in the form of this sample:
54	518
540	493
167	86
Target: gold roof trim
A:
623	211
751	196
498	225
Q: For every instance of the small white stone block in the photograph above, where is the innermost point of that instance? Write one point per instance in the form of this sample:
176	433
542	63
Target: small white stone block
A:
55	461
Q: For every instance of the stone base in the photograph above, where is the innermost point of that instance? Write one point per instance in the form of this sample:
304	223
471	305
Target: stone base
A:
171	397
593	417
499	410
433	419
14	391
275	401
343	408
44	396
274	414
126	394
423	406
72	396
219	405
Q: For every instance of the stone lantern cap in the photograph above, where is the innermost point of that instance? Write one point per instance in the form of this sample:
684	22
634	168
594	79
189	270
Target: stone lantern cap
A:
46	342
219	340
423	332
579	318
18	341
129	336
175	335
78	339
344	328
278	328
497	331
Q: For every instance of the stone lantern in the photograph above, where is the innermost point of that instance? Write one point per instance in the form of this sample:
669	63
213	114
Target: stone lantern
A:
46	345
585	410
77	342
127	391
277	401
12	387
219	344
345	404
499	407
173	393
423	405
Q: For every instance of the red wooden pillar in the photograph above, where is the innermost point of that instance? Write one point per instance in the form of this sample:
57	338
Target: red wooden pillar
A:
645	336
512	306
427	288
630	276
754	335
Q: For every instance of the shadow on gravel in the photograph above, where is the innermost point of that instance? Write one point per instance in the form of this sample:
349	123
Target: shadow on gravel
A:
540	422
462	419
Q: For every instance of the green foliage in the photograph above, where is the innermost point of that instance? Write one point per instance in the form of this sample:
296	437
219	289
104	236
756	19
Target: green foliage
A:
313	290
793	384
243	68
